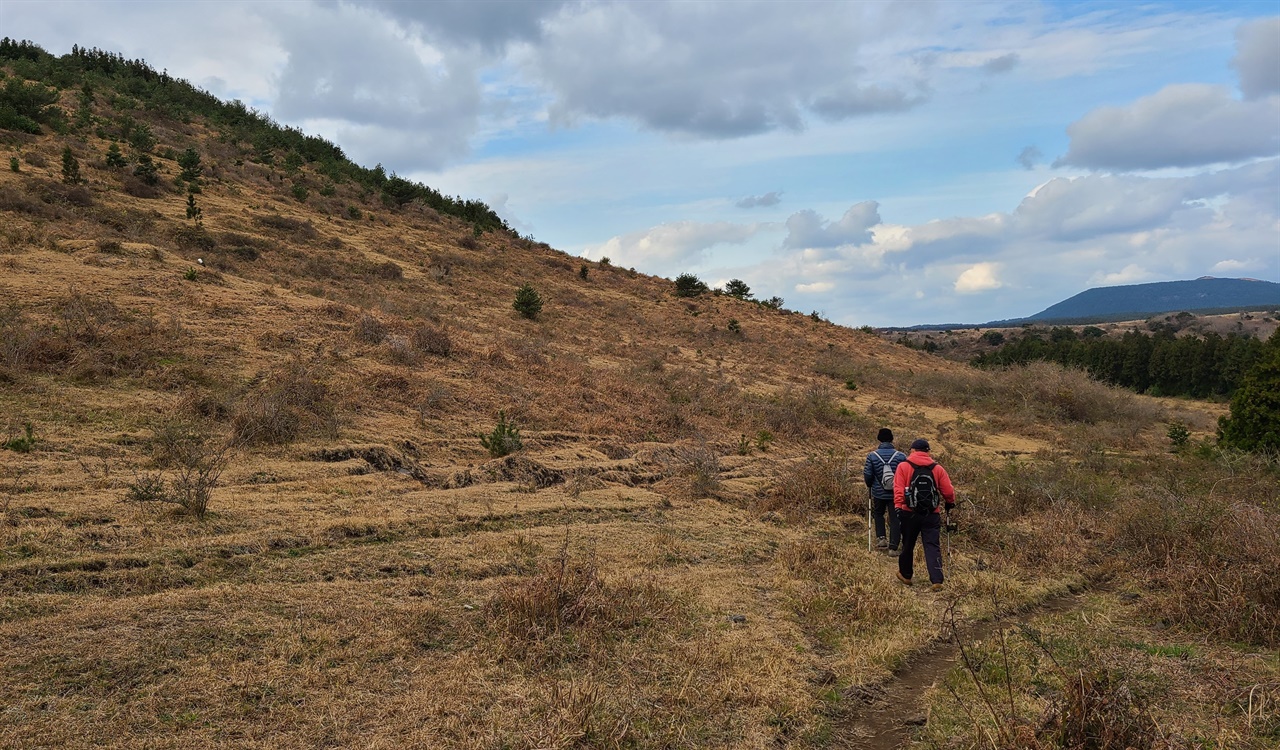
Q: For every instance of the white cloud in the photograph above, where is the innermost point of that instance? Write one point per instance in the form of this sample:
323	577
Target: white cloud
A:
1182	125
978	278
1257	59
1049	247
672	247
1130	274
1233	266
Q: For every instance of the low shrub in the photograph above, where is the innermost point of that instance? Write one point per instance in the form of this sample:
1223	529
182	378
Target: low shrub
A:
430	339
289	403
568	606
369	330
830	482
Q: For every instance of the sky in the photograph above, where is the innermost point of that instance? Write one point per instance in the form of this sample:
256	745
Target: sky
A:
880	163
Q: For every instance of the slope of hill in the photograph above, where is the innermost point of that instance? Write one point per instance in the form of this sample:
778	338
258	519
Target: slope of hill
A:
1205	293
246	503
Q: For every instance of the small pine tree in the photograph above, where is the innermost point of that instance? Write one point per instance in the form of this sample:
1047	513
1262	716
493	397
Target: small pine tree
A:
583	272
193	211
189	161
13	164
528	302
141	137
146	170
738	288
115	159
504	439
688	285
70	167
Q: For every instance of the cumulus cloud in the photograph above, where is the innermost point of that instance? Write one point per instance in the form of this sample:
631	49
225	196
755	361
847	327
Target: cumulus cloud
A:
674	246
1029	157
1182	125
1067	235
1257	59
1081	207
1233	266
725	70
760	201
806	229
980	277
388	98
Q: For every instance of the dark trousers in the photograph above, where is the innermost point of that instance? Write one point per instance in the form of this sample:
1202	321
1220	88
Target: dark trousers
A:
879	506
926	526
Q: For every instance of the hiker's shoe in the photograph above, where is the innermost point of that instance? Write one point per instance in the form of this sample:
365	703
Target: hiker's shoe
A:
893	552
935	587
905	581
882	543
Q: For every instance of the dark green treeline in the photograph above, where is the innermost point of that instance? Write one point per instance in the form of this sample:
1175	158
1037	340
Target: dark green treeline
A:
1160	363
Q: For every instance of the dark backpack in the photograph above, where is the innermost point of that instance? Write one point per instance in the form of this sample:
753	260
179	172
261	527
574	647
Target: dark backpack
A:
921	493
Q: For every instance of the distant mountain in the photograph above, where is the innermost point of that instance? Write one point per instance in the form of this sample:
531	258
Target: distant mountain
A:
1204	293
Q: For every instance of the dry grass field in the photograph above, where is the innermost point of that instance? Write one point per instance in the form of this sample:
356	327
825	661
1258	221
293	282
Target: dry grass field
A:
252	508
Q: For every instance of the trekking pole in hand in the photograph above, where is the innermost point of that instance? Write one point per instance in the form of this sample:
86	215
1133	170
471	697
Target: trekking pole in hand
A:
870	502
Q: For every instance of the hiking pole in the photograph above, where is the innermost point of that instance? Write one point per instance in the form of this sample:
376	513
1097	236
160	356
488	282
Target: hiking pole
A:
870	502
948	526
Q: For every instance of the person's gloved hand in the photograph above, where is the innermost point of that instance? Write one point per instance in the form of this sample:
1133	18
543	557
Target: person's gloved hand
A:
951	506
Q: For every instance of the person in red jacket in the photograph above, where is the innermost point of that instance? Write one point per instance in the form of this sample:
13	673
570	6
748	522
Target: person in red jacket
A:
920	514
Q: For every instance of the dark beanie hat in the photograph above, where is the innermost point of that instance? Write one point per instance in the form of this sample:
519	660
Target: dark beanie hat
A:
920	444
885	435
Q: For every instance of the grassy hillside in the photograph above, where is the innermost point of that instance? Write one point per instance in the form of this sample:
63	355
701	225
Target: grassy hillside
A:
246	502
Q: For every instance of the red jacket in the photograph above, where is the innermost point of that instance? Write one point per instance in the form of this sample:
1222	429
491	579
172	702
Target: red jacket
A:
902	477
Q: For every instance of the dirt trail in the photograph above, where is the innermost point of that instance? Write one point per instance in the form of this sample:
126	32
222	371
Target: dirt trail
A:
882	715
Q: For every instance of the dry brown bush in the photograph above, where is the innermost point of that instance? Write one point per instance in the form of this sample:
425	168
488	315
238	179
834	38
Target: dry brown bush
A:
798	412
369	330
289	403
390	271
1039	392
298	227
139	189
1211	562
831	482
433	340
19	201
567	604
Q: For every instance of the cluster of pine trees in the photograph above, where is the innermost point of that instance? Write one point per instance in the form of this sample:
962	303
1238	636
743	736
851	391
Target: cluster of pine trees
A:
28	100
1159	363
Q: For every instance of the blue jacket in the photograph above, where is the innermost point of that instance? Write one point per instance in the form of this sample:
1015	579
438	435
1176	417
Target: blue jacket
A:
875	464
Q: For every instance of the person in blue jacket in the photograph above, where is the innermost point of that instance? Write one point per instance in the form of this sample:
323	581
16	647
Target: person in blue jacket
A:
874	474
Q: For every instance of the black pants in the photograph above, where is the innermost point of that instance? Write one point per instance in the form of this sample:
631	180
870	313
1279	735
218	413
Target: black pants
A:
878	508
928	527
